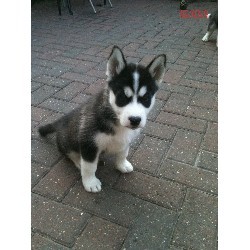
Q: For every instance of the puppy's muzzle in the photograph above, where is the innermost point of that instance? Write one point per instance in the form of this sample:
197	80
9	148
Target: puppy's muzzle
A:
134	121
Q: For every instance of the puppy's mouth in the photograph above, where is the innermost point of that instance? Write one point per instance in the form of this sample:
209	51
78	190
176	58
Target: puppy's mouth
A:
133	127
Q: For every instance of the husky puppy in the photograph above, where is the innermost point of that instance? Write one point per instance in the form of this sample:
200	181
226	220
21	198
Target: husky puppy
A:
212	26
111	119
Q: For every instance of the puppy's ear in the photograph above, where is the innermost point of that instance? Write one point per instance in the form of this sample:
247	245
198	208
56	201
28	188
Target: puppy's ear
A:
157	68
116	63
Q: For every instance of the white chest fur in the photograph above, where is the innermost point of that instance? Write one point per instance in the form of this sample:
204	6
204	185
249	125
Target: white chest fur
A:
117	142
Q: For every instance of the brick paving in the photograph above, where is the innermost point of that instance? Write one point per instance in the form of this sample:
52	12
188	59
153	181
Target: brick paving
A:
170	200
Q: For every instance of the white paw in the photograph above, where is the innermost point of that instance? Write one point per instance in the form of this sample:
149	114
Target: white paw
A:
125	167
205	38
92	184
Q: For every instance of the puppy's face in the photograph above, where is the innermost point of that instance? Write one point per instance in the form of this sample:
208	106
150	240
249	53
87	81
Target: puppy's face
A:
132	88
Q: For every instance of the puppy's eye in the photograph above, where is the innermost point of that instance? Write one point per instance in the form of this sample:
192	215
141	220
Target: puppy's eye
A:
122	99
145	98
121	94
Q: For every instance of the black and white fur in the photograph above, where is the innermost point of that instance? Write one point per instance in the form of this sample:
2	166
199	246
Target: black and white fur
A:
111	119
212	26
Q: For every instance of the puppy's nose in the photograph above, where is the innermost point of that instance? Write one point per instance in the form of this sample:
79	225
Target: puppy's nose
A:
135	120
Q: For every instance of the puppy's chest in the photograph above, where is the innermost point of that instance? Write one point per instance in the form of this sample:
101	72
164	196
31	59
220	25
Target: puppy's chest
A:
118	142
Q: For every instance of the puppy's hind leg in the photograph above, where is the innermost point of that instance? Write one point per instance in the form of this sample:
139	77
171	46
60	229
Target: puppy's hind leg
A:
122	164
76	158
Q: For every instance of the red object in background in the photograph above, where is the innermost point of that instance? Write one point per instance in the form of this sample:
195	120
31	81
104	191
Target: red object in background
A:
184	14
196	13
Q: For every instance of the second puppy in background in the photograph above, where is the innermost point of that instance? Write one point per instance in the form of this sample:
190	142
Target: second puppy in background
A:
212	26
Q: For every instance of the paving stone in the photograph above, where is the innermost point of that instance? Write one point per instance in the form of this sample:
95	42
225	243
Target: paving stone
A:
152	229
163	95
172	55
162	192
203	60
149	154
173	76
33	125
72	52
81	98
181	121
106	170
177	88
57	69
37	172
132	46
38	71
199	84
208	160
178	67
156	109
150	45
192	63
185	146
50	55
95	87
101	234
189	55
210	142
42	94
78	77
189	175
60	222
172	247
38	114
195	73
146	59
96	73
90	58
159	130
197	225
59	105
94	50
70	91
53	81
72	61
202	113
177	103
59	180
206	53
35	85
205	99
110	204
211	79
44	153
40	242
137	140
212	70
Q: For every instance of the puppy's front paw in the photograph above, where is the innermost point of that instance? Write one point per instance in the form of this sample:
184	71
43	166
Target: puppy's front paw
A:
125	167
92	184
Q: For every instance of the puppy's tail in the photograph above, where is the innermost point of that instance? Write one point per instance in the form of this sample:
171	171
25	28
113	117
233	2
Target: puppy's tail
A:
47	129
208	15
